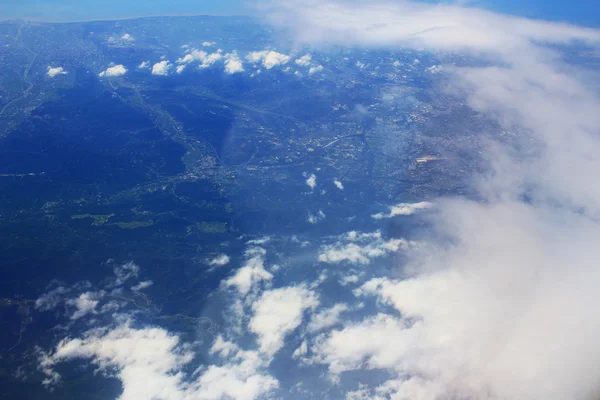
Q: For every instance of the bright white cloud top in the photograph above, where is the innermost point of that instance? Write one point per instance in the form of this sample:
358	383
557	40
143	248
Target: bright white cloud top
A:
233	64
268	58
114	71
161	68
51	72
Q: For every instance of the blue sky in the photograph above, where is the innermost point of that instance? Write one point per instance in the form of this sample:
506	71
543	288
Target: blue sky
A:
584	12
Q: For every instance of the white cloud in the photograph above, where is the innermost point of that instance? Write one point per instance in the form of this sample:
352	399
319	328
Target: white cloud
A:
219	261
312	181
208	44
84	304
338	184
54	71
144	64
127	37
205	59
359	248
378	342
277	313
268	58
161	68
304	61
349	279
150	364
403	209
233	64
142	285
117	70
179	69
251	273
326	318
211	59
314	70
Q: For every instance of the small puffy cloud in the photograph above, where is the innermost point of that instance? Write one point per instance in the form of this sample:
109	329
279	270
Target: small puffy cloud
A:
277	313
233	64
312	181
219	261
205	59
161	68
84	304
327	318
208	44
348	280
127	37
403	209
180	69
268	58
304	61
252	272
144	64
359	248
51	72
314	70
142	285
210	59
117	70
338	184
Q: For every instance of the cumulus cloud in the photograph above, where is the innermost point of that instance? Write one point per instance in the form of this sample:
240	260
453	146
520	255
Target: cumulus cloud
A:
233	64
127	37
208	44
205	59
338	184
117	70
501	310
359	248
315	69
179	69
144	64
278	312
403	209
161	68
84	304
251	273
304	61
312	181
268	58
55	71
150	363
